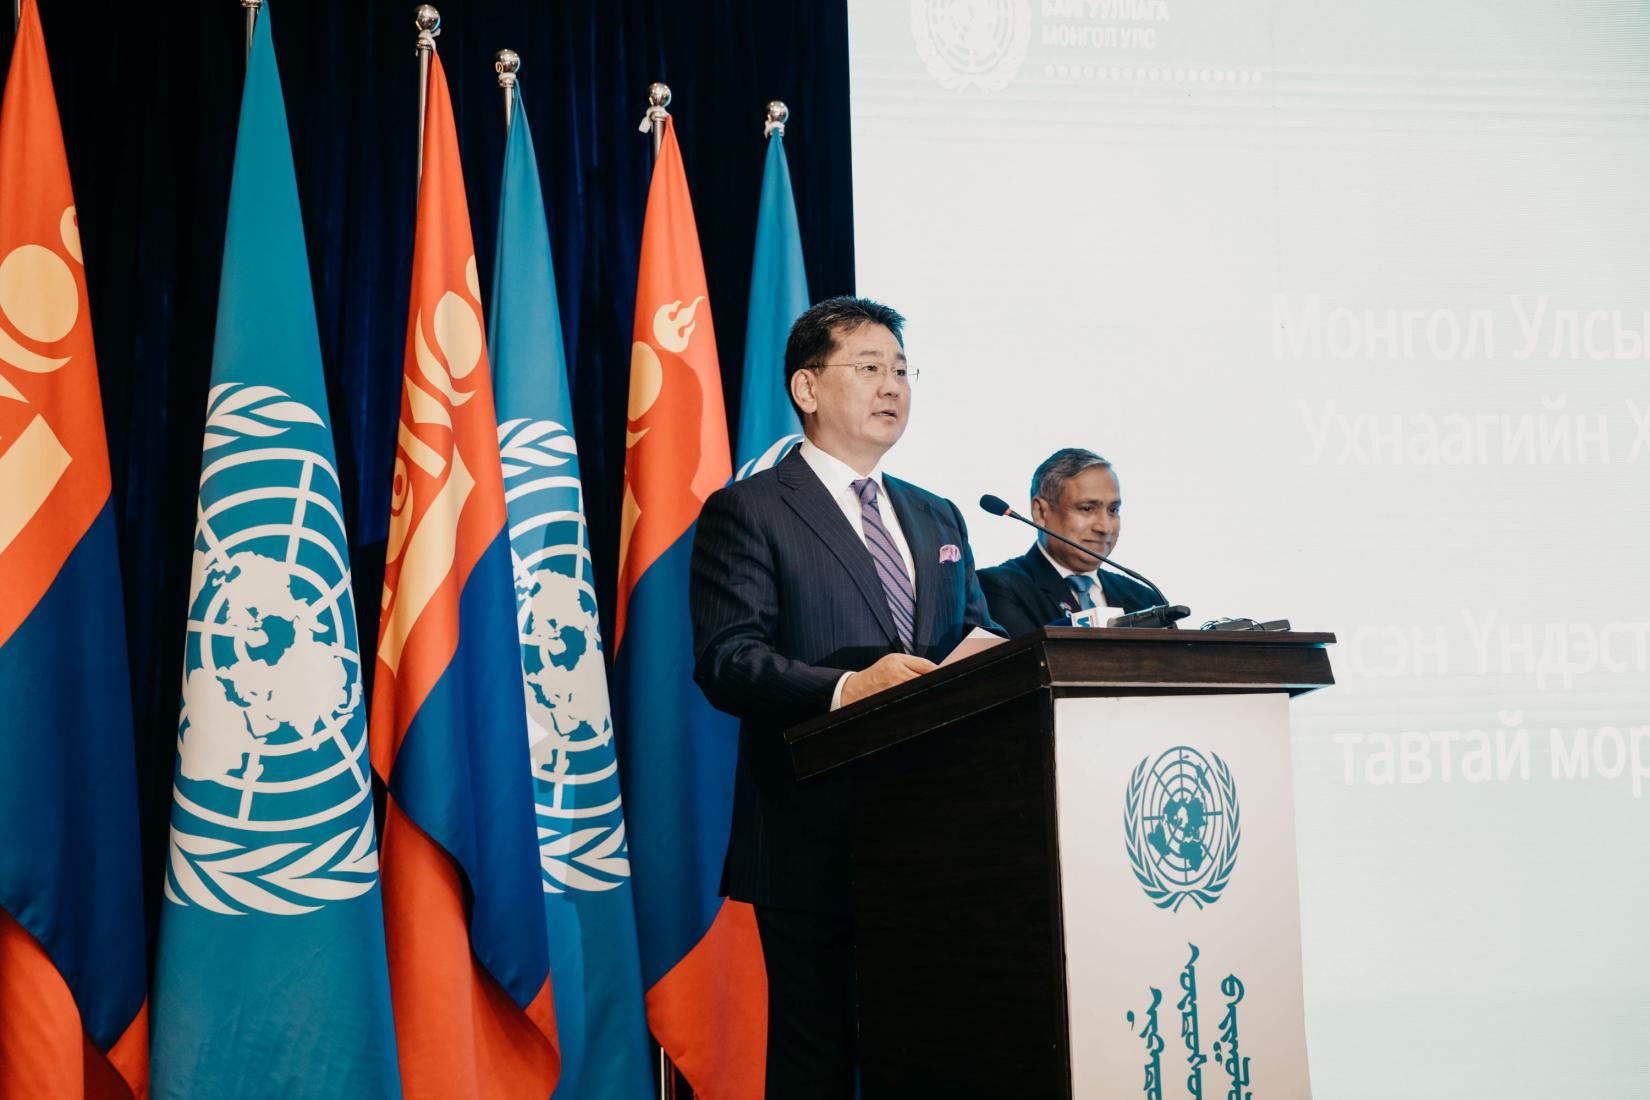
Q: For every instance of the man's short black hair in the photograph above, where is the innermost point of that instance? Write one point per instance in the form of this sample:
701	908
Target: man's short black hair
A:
814	335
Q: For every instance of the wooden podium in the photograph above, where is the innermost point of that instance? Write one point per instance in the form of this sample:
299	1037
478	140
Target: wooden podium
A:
988	946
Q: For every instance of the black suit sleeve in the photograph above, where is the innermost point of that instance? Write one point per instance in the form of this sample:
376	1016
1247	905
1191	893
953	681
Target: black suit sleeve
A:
735	608
1002	595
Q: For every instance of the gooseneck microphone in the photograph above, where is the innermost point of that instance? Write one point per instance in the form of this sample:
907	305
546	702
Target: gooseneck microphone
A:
997	506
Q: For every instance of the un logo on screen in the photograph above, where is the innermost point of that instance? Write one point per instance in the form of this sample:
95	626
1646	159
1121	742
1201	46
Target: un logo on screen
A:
1181	827
972	44
569	721
273	795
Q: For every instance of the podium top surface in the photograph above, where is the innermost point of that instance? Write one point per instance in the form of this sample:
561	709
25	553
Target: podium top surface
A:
1065	661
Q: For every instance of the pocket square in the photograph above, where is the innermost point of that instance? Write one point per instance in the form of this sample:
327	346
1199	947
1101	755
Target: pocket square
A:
949	552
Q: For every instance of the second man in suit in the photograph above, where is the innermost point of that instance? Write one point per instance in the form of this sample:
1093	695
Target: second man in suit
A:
1076	493
814	584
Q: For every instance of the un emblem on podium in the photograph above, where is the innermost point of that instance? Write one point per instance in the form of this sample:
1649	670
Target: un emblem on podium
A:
1181	827
272	803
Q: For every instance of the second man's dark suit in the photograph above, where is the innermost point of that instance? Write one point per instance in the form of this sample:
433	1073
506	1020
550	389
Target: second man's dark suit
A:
1027	592
785	598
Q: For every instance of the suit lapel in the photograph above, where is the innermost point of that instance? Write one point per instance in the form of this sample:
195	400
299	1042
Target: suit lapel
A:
811	501
1107	595
1049	581
923	537
1119	596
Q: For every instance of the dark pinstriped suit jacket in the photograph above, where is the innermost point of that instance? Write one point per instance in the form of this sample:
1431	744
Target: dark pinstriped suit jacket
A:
785	598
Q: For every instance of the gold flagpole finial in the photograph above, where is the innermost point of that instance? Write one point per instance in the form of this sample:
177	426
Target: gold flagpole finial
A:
507	63
778	115
658	98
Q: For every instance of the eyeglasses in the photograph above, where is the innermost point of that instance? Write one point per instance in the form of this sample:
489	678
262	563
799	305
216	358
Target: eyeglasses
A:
867	371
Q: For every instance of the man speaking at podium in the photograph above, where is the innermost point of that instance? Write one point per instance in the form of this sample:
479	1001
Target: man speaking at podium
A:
814	584
1074	493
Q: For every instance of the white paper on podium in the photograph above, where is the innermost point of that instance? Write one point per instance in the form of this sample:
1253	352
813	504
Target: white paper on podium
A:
975	641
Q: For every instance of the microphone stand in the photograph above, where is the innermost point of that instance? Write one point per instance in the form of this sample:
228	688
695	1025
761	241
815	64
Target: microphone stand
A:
1163	614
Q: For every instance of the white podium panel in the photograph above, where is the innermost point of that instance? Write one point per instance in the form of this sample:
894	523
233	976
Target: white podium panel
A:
1179	897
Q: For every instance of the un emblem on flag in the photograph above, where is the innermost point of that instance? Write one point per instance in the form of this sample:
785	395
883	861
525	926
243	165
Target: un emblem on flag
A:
272	803
569	718
1181	827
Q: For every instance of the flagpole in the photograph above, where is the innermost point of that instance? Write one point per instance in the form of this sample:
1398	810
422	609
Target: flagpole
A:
428	22
250	7
506	63
658	98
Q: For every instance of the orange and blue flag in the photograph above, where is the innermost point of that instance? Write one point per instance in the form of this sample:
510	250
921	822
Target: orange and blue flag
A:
463	905
707	993
73	1015
271	978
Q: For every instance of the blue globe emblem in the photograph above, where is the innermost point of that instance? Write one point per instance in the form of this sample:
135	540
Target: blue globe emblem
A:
569	718
273	794
1181	824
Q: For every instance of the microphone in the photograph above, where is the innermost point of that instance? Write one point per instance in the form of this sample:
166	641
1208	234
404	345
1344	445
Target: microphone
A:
1160	615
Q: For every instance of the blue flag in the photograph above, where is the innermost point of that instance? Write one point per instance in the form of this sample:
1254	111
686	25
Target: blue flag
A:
594	965
779	293
271	979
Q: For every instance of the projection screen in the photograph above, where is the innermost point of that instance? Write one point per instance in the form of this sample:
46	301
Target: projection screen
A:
1356	297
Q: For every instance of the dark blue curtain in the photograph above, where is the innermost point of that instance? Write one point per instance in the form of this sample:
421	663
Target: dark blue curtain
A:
149	95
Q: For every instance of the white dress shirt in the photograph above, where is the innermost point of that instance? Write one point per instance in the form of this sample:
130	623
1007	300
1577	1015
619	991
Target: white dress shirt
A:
838	478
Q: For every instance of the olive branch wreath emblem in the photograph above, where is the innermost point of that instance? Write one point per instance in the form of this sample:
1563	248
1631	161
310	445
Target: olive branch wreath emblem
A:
1171	895
284	877
323	872
593	858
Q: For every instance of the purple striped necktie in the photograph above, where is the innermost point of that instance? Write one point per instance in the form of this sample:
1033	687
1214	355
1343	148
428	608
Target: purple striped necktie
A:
896	582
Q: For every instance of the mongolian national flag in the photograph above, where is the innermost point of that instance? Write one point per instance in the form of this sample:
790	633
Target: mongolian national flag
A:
588	907
779	293
271	978
463	904
707	991
72	983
